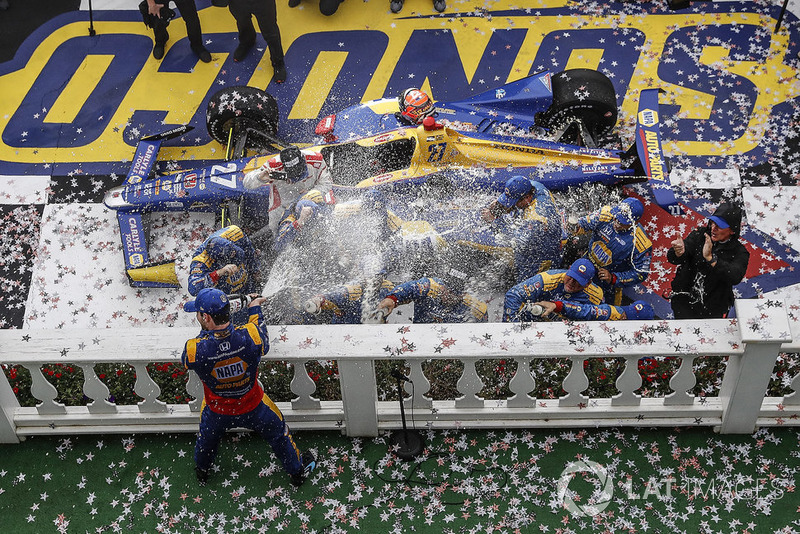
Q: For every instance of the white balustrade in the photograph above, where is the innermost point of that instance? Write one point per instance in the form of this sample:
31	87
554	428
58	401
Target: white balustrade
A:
751	344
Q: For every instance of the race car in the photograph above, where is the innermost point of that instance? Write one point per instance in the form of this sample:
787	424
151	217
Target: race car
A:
550	130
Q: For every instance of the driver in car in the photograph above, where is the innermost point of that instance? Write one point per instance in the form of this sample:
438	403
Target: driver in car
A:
291	174
415	105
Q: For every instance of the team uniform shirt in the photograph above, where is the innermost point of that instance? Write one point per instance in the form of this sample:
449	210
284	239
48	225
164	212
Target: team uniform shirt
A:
535	234
580	311
346	303
202	270
548	285
283	194
626	255
426	293
227	363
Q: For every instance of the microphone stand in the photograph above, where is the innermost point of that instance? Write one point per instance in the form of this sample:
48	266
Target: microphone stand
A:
92	33
406	444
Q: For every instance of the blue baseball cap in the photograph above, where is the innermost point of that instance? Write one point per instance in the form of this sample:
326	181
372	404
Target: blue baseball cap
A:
305	203
639	310
628	211
208	300
516	188
225	250
582	270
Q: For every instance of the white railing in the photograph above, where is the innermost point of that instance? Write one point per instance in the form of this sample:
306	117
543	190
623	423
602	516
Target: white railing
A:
751	343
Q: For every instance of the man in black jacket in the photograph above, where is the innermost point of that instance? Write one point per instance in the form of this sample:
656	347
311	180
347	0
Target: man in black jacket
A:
710	261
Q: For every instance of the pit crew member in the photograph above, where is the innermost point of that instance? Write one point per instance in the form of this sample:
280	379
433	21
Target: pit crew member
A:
619	247
573	284
437	300
581	311
526	214
227	261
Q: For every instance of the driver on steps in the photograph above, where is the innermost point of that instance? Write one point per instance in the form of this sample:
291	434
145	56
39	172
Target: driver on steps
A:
291	174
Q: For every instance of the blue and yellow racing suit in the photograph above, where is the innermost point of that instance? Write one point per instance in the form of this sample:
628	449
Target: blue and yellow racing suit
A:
426	293
625	254
227	363
548	285
583	311
535	234
227	245
346	303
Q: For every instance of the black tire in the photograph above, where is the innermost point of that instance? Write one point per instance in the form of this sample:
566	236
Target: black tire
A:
242	107
584	94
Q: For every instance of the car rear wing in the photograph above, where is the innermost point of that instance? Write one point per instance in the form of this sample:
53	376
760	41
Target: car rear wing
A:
141	271
651	156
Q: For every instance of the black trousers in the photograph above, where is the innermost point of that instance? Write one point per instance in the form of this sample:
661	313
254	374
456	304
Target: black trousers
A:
188	11
684	308
266	15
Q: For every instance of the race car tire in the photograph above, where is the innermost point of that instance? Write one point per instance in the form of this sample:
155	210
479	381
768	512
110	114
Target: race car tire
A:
587	95
241	108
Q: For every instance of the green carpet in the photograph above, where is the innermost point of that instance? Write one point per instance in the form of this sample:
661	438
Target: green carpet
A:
672	480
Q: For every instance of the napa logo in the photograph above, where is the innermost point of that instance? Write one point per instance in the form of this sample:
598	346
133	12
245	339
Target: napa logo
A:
229	370
78	104
648	118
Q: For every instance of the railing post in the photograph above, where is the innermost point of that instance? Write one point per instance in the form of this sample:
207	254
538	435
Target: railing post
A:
9	404
359	397
764	326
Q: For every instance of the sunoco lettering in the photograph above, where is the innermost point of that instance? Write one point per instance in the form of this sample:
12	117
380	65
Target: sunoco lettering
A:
654	155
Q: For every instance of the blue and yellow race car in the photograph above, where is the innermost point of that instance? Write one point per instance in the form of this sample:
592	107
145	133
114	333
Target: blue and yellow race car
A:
548	127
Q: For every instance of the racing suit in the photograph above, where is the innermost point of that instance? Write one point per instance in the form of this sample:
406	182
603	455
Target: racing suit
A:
227	363
582	311
535	234
227	245
426	293
625	254
283	194
548	285
345	303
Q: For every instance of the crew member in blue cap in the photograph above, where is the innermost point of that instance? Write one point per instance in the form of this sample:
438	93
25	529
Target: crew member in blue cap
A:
438	299
226	359
710	261
619	247
527	216
581	311
573	284
227	261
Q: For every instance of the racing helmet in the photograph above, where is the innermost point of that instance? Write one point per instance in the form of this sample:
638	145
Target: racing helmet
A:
415	105
292	167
